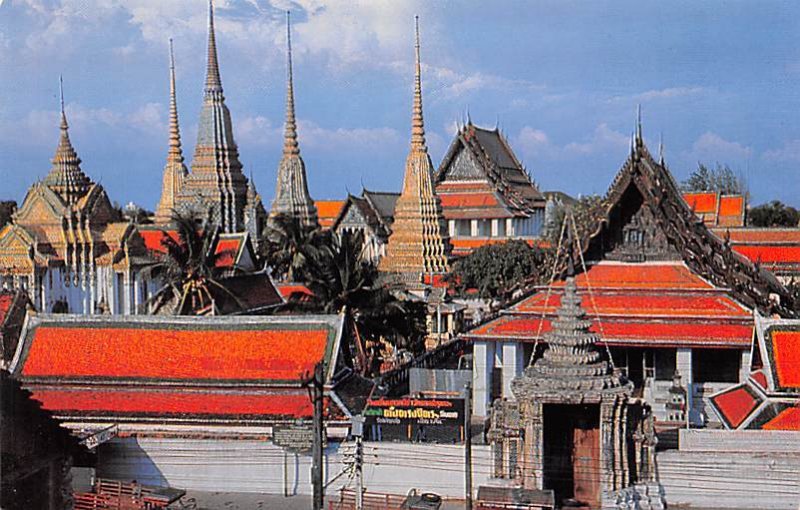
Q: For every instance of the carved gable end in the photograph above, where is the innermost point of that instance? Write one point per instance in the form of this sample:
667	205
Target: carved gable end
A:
41	206
98	206
464	167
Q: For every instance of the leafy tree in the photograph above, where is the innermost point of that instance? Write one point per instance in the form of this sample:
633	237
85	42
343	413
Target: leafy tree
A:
7	208
720	179
344	280
773	214
587	211
188	271
289	246
497	270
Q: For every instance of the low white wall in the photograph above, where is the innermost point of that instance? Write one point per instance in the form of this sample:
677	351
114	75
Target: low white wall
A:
749	469
259	466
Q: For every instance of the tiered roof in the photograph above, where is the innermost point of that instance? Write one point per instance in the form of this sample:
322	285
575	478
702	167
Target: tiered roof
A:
245	370
775	249
659	277
716	209
373	209
770	397
480	177
291	193
419	243
328	211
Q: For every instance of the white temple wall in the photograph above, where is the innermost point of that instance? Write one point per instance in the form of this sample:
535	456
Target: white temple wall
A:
483	357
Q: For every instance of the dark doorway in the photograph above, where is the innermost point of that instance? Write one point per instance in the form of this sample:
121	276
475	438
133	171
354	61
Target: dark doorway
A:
572	452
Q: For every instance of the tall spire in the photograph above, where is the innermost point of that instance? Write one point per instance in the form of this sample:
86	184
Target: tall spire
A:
419	244
291	192
213	80
174	170
290	145
639	124
175	154
216	183
66	177
417	121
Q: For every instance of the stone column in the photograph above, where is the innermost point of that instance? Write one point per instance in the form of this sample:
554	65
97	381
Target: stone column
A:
744	365
473	228
495	229
512	365
608	442
533	447
482	365
683	362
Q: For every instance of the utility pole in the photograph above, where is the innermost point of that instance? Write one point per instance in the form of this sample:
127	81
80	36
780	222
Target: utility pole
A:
317	386
468	445
358	434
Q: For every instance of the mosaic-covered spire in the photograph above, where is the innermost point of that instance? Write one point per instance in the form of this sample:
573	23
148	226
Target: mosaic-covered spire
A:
174	170
66	177
216	183
419	244
291	192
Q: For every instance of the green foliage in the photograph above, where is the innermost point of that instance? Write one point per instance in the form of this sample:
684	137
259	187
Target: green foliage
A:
719	180
188	270
773	214
497	270
289	247
7	208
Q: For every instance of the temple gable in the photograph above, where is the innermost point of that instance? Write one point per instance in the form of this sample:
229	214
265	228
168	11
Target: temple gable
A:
464	167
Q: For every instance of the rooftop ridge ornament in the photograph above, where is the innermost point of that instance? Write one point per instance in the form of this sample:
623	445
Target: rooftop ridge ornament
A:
66	177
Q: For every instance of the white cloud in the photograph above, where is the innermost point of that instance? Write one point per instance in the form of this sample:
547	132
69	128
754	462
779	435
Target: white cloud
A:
660	94
148	118
711	147
789	152
537	143
602	139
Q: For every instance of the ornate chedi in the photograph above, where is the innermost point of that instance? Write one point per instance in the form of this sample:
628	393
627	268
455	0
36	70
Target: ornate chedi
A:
574	427
291	193
216	183
419	244
175	170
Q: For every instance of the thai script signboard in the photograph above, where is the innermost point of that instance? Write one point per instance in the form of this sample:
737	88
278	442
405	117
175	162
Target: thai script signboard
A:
415	419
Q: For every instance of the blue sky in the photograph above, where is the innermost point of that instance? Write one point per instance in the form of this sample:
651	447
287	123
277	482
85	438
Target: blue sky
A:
719	80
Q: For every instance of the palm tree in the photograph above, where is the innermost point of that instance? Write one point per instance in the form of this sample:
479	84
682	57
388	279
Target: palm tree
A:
189	271
343	280
289	246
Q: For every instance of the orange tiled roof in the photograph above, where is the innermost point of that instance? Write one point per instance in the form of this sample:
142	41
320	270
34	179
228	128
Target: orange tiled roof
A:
165	351
461	200
716	209
6	300
731	205
766	254
702	203
328	211
643	276
228	251
761	235
788	419
465	246
153	239
785	349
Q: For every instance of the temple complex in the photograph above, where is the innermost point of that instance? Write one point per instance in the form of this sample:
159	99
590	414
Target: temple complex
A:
291	192
485	192
667	296
419	244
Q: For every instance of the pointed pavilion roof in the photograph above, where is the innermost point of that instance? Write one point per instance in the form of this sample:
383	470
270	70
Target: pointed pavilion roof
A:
174	170
216	181
291	192
66	177
419	243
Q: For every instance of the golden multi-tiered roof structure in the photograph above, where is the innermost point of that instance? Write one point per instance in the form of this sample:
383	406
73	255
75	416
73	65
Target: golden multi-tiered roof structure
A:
419	244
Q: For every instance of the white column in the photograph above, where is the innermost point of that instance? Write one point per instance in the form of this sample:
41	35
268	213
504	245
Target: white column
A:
744	365
482	366
495	229
512	365
451	227
683	363
510	227
473	228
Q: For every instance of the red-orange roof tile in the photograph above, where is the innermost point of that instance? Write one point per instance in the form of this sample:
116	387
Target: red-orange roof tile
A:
731	205
154	239
788	419
702	203
166	403
462	200
203	353
786	358
767	254
736	404
761	235
641	276
638	304
760	378
328	211
622	332
6	300
227	251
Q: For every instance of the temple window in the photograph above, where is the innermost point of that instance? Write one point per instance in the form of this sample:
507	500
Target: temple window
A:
715	365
